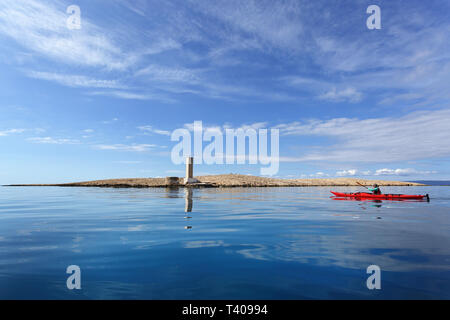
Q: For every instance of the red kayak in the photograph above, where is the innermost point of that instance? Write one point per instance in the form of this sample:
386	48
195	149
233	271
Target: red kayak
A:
365	195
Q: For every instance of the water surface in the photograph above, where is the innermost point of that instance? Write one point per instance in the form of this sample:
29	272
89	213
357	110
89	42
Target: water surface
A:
236	243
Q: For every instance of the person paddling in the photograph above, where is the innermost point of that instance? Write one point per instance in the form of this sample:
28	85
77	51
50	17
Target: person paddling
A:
375	189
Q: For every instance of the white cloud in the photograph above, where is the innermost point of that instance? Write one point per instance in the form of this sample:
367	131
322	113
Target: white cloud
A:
418	135
133	96
383	172
319	174
257	24
401	98
162	45
221	128
169	74
254	126
50	140
400	172
409	62
344	173
75	80
113	120
42	28
348	94
150	129
409	57
11	131
124	147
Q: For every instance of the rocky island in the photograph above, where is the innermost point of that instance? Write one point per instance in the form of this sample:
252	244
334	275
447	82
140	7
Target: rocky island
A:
226	180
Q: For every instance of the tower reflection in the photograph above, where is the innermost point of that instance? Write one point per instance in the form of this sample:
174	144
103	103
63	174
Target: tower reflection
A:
187	199
188	205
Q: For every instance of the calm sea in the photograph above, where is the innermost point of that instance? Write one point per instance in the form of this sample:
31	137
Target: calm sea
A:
239	243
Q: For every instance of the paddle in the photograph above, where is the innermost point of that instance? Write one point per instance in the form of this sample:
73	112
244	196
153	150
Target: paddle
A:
362	185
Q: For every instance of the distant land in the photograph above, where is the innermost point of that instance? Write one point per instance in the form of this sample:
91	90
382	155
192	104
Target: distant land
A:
434	182
228	180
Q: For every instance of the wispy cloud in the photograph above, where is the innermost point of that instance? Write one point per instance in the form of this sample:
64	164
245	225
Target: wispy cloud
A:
348	94
223	127
11	131
133	95
51	140
408	61
319	174
150	129
169	74
419	135
260	24
384	172
401	172
75	80
210	43
162	45
124	147
41	27
113	120
44	32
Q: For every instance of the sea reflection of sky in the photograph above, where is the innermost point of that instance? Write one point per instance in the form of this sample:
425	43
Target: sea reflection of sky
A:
266	243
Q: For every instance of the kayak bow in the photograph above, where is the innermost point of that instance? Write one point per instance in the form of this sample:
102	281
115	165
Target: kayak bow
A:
365	195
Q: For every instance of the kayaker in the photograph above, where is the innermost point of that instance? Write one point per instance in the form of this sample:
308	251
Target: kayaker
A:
375	189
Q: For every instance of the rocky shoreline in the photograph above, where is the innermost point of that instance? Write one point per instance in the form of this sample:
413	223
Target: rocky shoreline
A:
226	180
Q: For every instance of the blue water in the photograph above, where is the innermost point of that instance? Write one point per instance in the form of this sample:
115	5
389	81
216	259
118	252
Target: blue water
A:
249	243
434	182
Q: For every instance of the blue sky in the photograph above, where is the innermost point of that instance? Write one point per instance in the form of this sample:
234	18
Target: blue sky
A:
101	101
